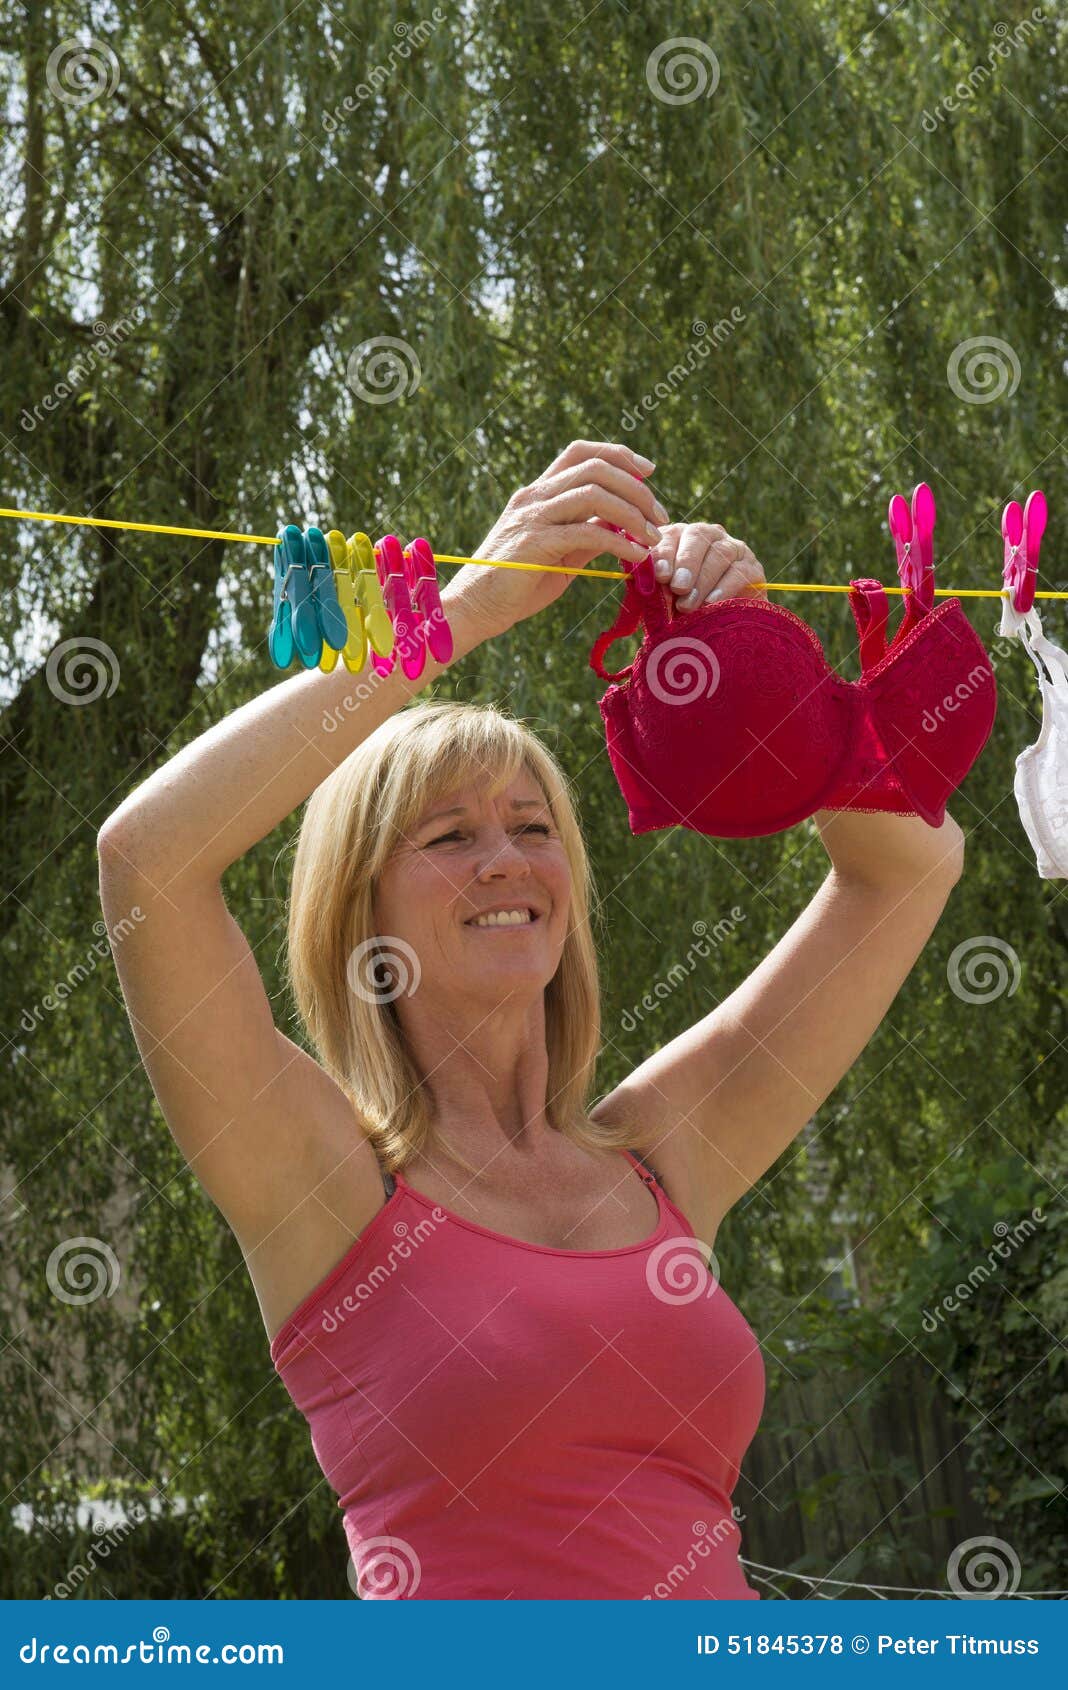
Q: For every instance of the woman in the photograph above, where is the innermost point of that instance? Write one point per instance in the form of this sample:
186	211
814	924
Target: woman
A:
502	1324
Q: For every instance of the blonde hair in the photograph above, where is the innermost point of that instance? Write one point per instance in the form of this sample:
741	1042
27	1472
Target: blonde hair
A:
351	825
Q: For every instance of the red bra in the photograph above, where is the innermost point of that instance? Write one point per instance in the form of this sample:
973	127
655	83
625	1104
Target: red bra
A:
731	721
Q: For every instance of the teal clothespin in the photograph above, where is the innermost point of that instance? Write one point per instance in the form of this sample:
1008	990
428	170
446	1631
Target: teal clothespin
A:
305	623
280	638
332	624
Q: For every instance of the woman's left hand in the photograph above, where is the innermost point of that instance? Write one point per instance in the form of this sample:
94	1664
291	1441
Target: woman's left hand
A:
701	562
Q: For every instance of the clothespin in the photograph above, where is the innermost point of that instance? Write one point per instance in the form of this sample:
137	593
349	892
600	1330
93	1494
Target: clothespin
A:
332	625
421	574
410	646
354	651
368	595
1022	531
295	624
913	532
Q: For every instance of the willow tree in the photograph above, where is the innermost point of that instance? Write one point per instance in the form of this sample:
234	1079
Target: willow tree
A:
330	264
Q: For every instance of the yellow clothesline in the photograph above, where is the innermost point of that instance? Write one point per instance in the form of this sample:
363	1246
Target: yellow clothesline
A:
497	563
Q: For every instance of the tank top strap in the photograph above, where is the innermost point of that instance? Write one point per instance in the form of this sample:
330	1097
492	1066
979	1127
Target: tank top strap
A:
643	1168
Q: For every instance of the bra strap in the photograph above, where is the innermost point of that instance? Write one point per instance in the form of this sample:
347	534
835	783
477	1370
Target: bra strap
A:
1034	640
655	610
870	606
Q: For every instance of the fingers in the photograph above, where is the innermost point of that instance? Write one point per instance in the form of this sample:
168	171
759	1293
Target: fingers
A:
702	563
581	451
635	508
591	500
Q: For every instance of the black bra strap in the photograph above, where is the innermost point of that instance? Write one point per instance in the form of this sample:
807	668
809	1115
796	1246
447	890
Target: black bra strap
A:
390	1184
650	1171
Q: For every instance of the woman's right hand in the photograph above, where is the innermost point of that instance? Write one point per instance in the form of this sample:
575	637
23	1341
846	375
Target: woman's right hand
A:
561	518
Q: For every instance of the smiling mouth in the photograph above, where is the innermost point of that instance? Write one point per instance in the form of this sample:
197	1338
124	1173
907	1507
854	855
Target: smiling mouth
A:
504	921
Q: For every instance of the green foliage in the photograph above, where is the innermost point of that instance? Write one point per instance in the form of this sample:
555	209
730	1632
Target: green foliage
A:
214	240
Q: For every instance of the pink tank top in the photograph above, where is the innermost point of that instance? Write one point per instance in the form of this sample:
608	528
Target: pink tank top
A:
502	1419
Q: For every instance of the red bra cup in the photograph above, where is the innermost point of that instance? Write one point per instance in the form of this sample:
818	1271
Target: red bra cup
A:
730	720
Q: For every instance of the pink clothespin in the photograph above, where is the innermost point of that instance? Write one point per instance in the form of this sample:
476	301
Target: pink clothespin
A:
1022	530
421	574
913	532
409	645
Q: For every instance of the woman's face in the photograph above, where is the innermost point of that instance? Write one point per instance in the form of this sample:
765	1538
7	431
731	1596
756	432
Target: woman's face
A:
468	855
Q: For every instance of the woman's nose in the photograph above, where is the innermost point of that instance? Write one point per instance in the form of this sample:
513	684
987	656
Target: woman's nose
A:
502	854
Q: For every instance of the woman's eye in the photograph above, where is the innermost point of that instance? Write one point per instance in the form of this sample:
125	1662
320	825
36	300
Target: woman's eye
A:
536	827
455	834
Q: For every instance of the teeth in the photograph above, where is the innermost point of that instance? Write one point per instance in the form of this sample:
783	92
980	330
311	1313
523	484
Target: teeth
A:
503	918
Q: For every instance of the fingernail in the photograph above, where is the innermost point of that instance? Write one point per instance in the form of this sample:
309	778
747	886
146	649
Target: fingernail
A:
659	512
661	568
683	578
716	593
647	463
653	534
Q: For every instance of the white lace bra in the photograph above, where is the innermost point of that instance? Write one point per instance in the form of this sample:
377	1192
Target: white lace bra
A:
1041	779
